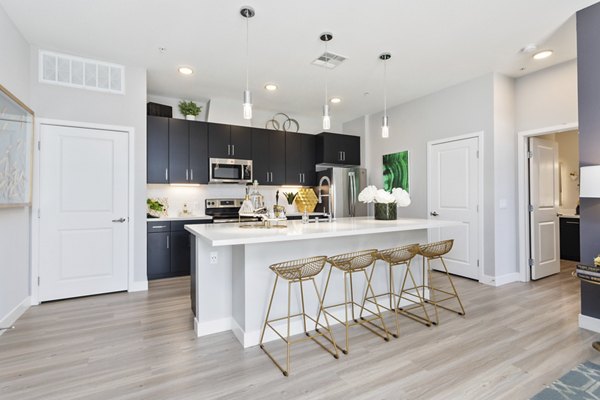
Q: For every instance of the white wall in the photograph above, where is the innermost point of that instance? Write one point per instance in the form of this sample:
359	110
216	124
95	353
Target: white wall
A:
547	97
505	176
458	110
14	222
72	104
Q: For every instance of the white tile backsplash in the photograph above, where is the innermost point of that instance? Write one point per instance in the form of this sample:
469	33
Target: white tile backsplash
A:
195	196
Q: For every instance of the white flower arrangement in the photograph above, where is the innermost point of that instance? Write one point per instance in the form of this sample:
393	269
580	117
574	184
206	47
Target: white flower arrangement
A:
371	194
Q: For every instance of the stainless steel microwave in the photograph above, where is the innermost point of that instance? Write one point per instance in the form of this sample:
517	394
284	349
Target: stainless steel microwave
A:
227	170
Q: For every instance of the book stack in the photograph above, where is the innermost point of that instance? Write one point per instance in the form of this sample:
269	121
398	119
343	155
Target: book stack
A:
588	272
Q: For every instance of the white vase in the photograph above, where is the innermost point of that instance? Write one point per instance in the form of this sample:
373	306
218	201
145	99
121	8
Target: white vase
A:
190	117
290	209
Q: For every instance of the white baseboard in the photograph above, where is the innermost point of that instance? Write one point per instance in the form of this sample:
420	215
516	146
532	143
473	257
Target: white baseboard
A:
589	323
138	286
15	314
501	279
214	326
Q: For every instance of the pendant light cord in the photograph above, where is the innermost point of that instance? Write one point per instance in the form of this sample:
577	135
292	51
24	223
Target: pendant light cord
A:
384	88
326	69
247	52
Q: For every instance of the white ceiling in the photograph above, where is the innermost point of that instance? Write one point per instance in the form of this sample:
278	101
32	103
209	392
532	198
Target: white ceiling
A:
434	44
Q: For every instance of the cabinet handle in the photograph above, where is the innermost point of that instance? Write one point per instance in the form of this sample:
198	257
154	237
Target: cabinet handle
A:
159	226
300	178
228	149
572	222
167	241
191	174
271	177
267	177
340	156
233	149
344	153
166	174
187	174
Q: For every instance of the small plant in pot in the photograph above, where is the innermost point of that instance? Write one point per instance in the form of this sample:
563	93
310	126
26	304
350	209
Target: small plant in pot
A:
189	109
290	197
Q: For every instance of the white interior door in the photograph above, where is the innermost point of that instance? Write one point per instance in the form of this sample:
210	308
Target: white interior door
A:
543	198
83	212
453	195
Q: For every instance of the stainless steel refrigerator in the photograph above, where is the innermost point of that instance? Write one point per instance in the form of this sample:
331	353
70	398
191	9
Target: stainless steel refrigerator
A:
340	186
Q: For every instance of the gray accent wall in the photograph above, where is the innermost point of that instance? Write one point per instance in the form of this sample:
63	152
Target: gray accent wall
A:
588	70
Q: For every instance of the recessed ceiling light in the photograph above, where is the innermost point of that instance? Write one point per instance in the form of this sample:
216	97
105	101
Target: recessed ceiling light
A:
185	70
335	100
271	87
540	55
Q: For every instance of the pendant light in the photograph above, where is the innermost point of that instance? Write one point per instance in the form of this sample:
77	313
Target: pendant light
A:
326	37
247	12
385	127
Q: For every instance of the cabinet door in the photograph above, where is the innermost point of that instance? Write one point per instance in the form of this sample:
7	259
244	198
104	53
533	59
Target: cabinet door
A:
179	145
277	152
218	141
157	156
198	152
261	156
180	253
309	160
351	149
159	255
293	158
329	148
241	142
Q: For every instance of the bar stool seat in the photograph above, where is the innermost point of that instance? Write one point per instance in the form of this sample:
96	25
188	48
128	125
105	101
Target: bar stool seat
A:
298	271
396	256
349	264
436	251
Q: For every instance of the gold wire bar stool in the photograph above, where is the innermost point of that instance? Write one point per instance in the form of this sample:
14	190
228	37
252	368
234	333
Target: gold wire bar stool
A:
397	256
434	251
298	271
349	264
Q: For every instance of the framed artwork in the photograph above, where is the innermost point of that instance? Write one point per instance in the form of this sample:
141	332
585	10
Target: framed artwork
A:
16	151
396	171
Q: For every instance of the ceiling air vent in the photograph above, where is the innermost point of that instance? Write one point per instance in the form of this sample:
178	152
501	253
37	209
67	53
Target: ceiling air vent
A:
329	60
83	73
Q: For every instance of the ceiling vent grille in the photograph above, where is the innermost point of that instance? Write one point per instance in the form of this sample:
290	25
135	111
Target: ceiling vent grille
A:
329	60
82	73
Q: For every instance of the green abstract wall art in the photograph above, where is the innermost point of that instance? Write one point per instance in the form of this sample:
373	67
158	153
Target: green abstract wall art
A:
395	171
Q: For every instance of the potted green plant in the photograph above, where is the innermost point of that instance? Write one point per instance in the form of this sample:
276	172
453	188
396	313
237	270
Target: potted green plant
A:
189	109
290	197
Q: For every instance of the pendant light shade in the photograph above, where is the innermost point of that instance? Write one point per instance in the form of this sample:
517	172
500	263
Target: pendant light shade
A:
326	37
385	124
247	12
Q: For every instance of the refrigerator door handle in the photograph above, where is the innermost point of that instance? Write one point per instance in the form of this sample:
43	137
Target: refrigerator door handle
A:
352	194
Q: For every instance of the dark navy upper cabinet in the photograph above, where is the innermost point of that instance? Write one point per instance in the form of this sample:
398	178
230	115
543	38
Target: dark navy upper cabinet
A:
157	150
268	156
188	142
300	159
338	149
229	141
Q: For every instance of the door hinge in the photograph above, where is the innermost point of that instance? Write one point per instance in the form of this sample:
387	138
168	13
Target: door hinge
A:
530	208
477	207
38	281
477	153
530	262
478	263
530	154
39	213
39	145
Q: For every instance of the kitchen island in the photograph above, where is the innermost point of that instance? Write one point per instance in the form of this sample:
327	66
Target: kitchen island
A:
231	281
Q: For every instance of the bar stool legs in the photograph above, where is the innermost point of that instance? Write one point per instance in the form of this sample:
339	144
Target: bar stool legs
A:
298	271
451	295
417	298
350	264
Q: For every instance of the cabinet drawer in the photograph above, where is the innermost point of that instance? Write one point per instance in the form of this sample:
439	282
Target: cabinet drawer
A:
159	226
178	225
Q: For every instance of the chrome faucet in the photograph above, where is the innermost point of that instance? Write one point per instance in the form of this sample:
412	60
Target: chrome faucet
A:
325	179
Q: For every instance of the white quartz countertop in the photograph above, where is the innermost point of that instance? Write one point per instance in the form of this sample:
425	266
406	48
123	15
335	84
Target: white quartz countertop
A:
186	218
233	234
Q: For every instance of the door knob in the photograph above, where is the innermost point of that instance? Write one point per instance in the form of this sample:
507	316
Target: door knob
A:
120	220
433	214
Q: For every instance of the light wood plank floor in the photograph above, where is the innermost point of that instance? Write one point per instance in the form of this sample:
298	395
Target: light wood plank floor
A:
514	340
